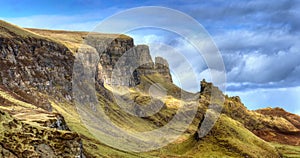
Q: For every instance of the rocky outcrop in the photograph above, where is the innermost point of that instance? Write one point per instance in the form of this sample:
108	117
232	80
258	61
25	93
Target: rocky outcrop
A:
122	63
109	50
283	127
274	125
279	112
60	124
30	64
162	67
208	88
124	67
19	139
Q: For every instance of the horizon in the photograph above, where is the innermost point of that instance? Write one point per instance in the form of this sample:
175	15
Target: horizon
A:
259	42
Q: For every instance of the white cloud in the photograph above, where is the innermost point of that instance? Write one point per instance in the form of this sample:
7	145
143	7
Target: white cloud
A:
261	56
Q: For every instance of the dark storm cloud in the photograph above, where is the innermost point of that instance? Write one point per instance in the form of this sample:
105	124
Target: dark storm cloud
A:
259	40
239	10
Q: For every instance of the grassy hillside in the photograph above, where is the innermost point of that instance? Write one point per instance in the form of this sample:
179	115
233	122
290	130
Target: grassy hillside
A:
74	39
9	30
229	138
237	132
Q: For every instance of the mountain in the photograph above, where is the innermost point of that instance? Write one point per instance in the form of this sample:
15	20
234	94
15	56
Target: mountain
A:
39	116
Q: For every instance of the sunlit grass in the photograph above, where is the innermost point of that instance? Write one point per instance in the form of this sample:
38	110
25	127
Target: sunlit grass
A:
288	151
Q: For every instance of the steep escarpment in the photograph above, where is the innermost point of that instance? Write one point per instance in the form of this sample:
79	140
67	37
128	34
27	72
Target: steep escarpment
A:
35	62
123	64
162	67
120	61
32	64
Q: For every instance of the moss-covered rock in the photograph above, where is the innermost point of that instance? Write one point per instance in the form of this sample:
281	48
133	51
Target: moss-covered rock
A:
21	139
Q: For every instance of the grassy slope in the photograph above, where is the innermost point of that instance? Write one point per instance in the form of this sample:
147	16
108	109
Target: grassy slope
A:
73	39
91	144
227	139
287	151
9	30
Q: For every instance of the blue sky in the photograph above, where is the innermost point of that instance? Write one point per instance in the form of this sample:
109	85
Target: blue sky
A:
259	40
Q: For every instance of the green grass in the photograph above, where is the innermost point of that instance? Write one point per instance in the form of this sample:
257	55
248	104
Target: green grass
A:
75	39
233	136
16	101
9	30
227	139
288	151
91	144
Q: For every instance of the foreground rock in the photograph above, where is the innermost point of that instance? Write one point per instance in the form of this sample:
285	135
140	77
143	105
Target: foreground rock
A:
19	139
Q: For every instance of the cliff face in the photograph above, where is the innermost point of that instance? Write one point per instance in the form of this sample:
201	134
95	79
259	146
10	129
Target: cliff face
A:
34	63
37	63
162	67
123	64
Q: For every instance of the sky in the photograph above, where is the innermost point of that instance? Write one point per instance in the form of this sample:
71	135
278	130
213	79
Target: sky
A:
259	40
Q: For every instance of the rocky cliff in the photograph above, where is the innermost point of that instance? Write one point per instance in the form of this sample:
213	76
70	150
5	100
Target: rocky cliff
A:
120	61
123	64
30	62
